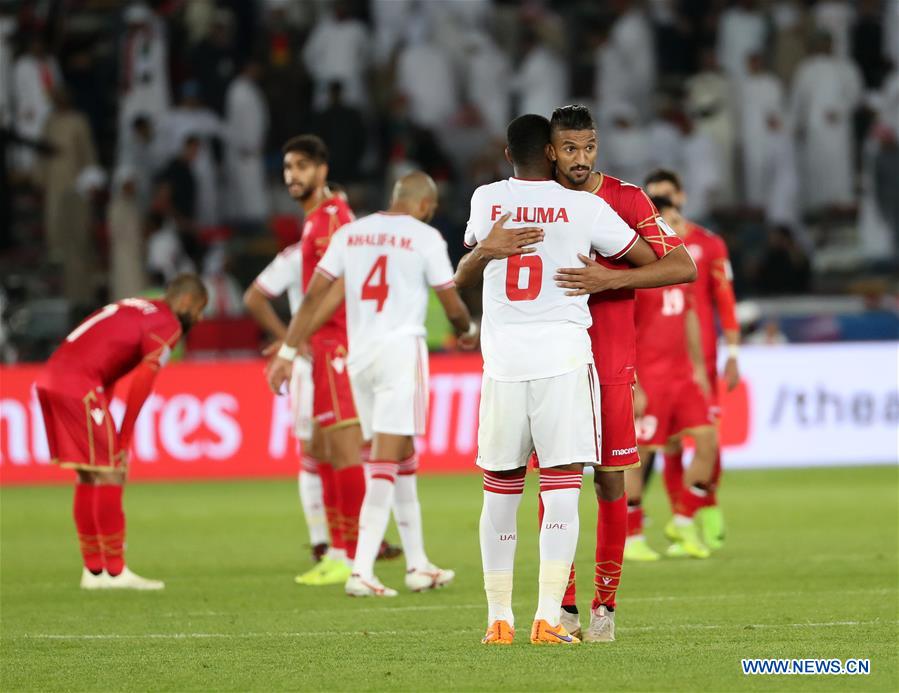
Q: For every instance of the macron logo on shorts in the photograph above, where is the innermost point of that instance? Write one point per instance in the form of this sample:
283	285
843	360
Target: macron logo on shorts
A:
97	416
621	452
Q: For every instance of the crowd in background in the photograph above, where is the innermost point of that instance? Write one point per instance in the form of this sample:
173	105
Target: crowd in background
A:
144	140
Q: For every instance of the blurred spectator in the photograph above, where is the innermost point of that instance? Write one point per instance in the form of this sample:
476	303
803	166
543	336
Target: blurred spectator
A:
664	137
77	214
835	17
631	40
246	116
762	113
225	294
868	44
424	74
125	229
487	74
791	26
338	50
784	267
782	201
212	62
35	77
390	19
178	186
7	32
674	38
343	130
742	30
405	145
825	94
144	156
701	172
541	81
193	117
68	132
625	144
886	167
166	256
143	70
710	104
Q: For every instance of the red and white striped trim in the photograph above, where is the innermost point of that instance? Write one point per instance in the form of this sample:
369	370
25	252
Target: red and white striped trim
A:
556	480
383	470
325	273
409	465
309	464
268	293
446	285
505	485
626	248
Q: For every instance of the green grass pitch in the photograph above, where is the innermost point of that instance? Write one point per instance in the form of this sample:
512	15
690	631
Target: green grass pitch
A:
809	570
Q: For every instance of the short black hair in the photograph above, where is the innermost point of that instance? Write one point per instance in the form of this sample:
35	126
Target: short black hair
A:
527	137
663	175
662	203
310	145
573	117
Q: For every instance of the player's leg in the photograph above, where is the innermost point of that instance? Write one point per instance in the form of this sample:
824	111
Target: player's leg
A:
709	517
673	471
312	497
636	547
697	476
504	445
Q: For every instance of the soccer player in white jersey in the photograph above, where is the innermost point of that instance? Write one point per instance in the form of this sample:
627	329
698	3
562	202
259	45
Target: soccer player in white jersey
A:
388	261
540	390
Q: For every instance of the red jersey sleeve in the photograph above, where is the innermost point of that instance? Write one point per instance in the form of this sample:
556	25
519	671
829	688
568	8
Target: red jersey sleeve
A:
160	335
643	217
722	285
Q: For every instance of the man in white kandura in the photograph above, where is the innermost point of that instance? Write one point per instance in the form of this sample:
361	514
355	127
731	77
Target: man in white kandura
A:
540	390
388	261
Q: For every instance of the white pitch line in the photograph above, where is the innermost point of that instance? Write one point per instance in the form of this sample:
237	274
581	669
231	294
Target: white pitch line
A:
393	633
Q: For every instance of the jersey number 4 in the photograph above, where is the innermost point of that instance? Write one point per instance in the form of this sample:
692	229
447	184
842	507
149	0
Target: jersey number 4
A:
531	290
375	288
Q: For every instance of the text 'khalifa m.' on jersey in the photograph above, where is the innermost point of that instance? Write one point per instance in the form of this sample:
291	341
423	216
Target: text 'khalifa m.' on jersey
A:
530	328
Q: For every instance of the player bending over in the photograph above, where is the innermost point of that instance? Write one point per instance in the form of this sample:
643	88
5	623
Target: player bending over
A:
573	150
671	373
133	336
387	260
714	293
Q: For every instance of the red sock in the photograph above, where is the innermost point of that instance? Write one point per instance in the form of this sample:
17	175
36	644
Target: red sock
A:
570	596
332	507
110	519
83	511
691	499
611	531
351	491
673	474
634	519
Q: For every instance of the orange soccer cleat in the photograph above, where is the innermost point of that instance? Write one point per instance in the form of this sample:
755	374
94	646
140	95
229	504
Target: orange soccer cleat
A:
499	633
544	634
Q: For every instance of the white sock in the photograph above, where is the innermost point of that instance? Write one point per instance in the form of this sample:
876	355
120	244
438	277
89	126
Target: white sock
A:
374	516
558	539
310	487
407	513
498	529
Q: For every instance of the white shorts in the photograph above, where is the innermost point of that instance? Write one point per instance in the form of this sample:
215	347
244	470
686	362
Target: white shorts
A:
301	398
391	393
558	417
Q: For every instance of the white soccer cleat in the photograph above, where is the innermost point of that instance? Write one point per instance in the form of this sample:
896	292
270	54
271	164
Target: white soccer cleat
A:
602	626
571	623
367	587
89	581
126	580
428	578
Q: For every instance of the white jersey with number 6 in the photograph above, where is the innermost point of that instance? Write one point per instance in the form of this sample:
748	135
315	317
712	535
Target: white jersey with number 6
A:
530	328
389	261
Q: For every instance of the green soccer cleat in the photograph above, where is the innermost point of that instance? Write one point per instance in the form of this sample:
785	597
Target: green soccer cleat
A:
637	549
327	572
689	544
711	526
672	532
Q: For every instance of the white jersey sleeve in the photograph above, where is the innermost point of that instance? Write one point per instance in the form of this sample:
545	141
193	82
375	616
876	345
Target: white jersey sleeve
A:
333	263
283	272
438	268
475	229
610	235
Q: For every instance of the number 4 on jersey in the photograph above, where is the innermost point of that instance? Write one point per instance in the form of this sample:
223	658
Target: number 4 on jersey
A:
375	288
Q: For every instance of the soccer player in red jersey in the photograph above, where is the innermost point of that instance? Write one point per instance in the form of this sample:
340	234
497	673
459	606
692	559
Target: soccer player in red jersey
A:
573	149
134	336
672	375
305	174
714	294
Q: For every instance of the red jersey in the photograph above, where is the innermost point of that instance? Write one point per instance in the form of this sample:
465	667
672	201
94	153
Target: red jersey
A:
321	223
713	288
110	343
661	322
612	333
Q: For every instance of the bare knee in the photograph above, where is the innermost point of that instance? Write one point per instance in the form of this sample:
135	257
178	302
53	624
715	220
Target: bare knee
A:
609	486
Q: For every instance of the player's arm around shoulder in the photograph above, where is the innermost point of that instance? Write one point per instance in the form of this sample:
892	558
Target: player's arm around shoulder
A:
499	243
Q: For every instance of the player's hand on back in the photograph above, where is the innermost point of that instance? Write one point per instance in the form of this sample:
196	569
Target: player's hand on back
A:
501	242
589	279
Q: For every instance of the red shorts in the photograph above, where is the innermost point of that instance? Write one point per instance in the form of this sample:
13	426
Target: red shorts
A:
671	409
81	433
332	398
619	435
